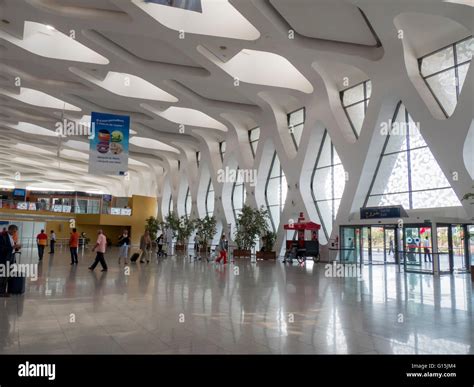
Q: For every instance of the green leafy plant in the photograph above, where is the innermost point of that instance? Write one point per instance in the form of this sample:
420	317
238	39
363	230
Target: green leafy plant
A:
269	240
182	227
152	225
251	224
469	195
206	229
172	222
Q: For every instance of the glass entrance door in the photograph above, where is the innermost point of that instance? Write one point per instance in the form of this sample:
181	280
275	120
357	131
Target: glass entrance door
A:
411	247
459	248
365	245
350	245
443	249
371	244
417	249
389	245
454	247
377	244
470	245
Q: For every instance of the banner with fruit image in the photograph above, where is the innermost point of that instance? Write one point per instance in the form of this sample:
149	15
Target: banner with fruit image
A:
108	154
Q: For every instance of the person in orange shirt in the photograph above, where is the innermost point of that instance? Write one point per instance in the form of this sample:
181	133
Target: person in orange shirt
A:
42	240
73	246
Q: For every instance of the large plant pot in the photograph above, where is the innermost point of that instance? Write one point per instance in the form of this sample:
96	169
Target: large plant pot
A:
242	253
266	255
180	247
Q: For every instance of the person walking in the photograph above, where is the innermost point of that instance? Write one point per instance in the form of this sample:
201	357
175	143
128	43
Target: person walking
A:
159	242
222	250
124	243
390	246
169	241
52	242
74	246
145	247
426	249
196	244
100	246
42	241
7	248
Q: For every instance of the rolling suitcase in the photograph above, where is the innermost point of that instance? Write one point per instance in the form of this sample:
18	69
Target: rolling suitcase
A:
134	257
16	284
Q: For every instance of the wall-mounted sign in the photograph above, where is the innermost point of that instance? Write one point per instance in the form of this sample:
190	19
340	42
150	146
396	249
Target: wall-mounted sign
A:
115	211
121	211
382	212
126	211
108	152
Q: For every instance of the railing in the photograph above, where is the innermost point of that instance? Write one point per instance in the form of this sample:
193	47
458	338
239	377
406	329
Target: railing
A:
61	208
61	243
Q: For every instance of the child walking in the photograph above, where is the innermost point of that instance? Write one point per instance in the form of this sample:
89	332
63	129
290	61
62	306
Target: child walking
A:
222	250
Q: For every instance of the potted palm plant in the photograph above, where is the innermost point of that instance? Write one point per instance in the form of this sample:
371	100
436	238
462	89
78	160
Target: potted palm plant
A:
267	251
152	225
469	196
183	227
173	222
251	224
206	229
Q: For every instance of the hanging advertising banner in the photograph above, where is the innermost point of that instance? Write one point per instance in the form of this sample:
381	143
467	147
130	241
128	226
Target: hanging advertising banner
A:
108	153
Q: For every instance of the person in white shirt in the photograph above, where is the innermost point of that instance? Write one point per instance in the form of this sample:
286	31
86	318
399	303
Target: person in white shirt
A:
426	249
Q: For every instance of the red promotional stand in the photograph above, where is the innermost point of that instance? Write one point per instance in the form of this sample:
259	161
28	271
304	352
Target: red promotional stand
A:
302	240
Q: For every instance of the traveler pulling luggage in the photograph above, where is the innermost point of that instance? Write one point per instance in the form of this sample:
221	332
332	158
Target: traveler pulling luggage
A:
17	283
134	257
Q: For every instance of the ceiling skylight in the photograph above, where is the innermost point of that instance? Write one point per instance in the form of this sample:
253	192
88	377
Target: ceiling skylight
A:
150	143
127	85
26	127
218	18
45	41
38	98
187	116
262	68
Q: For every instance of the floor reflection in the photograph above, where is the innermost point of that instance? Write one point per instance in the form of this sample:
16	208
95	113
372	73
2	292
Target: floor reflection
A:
178	305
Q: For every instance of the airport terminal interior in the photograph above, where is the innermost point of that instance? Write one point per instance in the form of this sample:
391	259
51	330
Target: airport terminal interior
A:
250	176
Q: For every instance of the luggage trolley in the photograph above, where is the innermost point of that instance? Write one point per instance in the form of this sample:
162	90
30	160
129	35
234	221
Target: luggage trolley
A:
302	240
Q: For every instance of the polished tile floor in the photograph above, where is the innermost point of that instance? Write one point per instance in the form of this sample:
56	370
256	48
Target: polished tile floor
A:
178	306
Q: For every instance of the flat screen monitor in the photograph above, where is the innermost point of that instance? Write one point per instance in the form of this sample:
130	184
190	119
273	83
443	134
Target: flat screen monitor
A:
19	193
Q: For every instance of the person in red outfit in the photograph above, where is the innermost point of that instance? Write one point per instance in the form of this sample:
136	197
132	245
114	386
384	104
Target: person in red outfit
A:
222	250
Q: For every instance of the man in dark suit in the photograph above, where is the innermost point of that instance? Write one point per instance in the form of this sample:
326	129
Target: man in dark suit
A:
7	247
